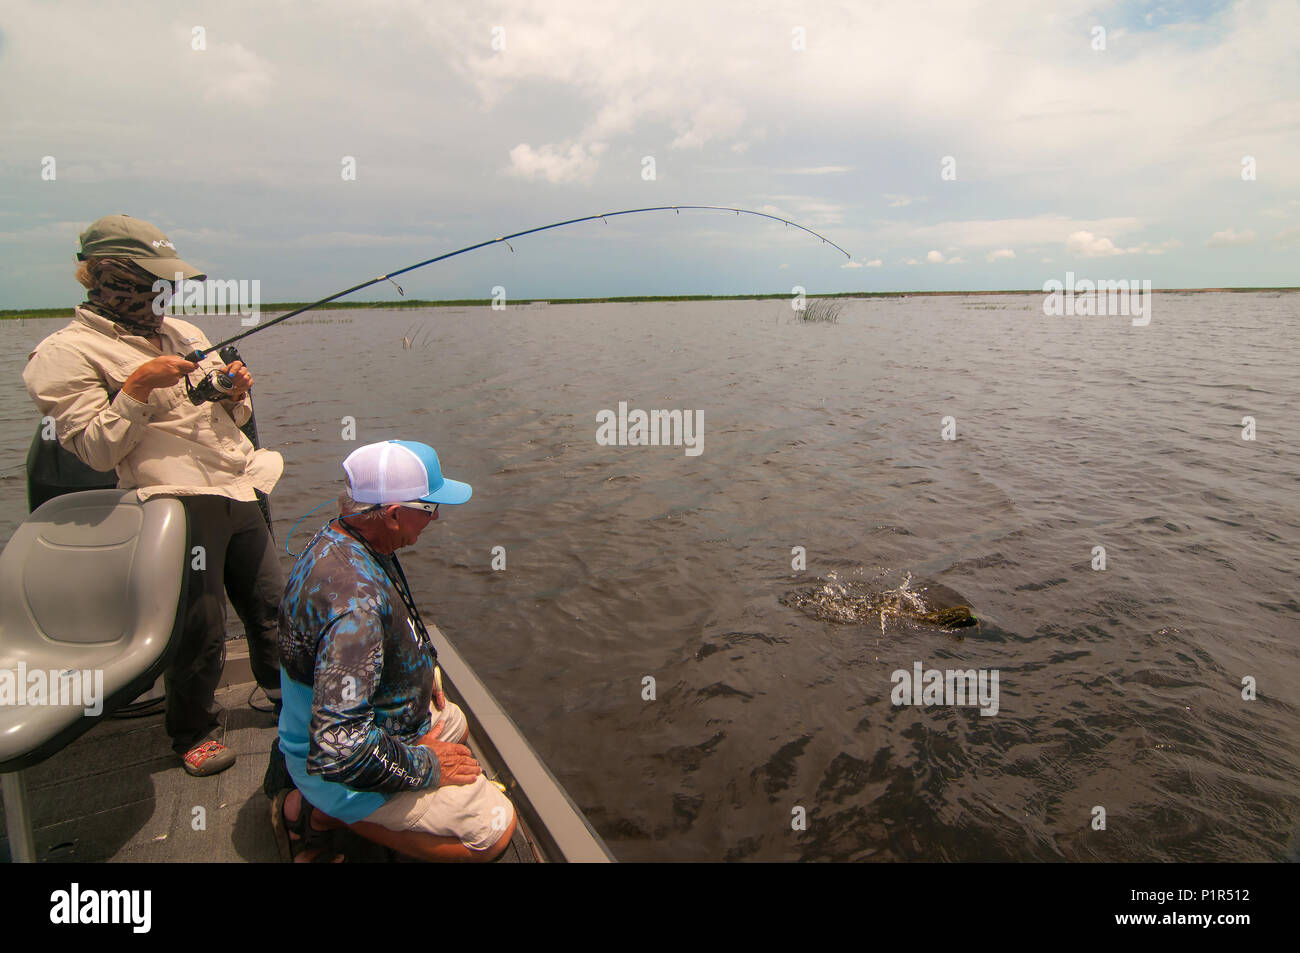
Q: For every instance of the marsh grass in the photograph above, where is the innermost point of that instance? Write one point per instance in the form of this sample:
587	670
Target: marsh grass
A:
820	311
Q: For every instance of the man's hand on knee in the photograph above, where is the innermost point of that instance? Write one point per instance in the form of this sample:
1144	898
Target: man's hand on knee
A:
456	764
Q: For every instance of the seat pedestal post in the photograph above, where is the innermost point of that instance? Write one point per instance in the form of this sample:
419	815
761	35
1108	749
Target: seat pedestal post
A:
18	818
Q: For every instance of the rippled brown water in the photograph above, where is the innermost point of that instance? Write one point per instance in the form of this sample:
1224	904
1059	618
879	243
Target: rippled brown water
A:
1119	688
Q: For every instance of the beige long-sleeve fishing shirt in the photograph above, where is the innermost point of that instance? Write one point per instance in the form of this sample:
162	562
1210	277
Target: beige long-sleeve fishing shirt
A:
165	446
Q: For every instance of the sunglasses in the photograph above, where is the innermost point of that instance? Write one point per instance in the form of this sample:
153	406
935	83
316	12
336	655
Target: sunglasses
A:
431	508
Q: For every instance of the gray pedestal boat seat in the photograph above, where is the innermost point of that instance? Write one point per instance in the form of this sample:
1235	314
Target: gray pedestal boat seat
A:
90	585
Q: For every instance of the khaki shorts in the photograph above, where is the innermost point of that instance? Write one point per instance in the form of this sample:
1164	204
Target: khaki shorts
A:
476	814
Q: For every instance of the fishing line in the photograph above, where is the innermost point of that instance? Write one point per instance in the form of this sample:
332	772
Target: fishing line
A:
299	523
198	355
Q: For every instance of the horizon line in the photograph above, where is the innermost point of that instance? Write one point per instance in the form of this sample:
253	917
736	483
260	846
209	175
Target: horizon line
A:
20	313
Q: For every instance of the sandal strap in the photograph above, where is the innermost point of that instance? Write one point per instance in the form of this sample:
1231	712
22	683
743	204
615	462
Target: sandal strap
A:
301	825
307	837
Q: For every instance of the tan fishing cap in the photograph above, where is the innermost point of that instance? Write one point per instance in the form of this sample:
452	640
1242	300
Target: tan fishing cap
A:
121	236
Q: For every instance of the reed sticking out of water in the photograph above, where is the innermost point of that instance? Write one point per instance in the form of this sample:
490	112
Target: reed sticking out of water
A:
820	311
417	336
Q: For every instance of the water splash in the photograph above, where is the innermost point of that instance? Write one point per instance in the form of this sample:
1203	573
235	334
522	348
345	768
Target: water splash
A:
853	603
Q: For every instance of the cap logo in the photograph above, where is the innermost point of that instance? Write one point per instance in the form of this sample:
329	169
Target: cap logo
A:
156	242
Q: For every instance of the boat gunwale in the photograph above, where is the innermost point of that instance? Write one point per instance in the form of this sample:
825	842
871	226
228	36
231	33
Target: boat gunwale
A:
553	822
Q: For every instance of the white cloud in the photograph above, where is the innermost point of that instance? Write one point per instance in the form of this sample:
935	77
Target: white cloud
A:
1005	232
633	69
956	261
1229	237
874	263
999	254
576	163
934	257
1088	245
897	201
852	264
1288	236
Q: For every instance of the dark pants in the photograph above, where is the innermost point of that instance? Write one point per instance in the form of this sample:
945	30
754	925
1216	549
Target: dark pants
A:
240	562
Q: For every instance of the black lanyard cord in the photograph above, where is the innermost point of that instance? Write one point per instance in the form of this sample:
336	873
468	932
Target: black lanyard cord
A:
399	583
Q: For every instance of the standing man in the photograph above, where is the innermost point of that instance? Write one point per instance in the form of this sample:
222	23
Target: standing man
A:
115	382
367	736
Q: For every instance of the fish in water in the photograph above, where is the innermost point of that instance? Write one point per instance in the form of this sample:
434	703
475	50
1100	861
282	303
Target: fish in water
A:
854	604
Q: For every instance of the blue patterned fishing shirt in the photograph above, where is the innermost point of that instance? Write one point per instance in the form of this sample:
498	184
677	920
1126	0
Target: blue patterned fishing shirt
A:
356	680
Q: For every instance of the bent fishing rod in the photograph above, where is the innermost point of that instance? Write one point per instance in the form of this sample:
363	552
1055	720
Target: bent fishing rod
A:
201	353
212	387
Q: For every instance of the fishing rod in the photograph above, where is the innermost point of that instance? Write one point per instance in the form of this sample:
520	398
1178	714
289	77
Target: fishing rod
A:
212	389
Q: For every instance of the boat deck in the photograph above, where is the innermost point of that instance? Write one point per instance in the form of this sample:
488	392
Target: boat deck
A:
118	793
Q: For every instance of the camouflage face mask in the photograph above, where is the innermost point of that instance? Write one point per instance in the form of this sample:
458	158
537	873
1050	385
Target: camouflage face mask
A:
124	293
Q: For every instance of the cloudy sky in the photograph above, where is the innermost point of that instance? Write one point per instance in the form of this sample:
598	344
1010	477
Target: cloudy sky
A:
947	145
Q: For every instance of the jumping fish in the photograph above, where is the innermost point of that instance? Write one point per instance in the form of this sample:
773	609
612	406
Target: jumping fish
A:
854	604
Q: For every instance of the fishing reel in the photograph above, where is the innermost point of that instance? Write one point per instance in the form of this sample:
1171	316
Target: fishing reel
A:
216	385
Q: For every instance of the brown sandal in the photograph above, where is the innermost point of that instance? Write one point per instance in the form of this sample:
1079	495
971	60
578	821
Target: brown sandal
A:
299	832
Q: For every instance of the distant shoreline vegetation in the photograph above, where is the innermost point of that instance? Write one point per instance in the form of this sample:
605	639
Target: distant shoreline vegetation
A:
523	302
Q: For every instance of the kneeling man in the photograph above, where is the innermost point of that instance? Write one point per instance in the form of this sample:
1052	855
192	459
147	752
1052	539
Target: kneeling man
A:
368	739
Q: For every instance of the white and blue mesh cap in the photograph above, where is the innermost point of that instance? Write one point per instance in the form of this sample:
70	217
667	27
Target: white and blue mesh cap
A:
400	471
